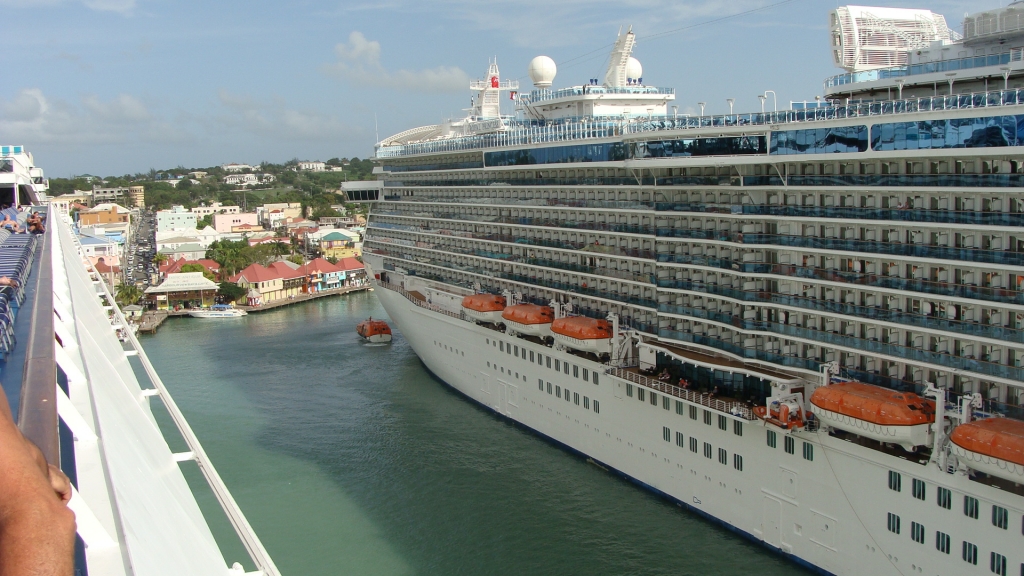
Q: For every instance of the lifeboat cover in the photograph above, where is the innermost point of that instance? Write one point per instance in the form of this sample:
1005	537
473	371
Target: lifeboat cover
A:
582	328
368	328
529	314
484	302
875	404
1001	438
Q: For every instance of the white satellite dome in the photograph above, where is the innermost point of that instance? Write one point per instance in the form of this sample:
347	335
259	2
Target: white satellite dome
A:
542	71
633	69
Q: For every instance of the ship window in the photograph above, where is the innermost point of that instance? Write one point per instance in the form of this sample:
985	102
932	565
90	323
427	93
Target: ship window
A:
917	489
531	355
942	542
558	365
723	457
666	433
679	407
488	340
629	390
565	367
540	385
586	374
508	349
790	445
971	507
693	412
893	523
567	399
707	450
665	402
586	402
517	375
737	462
597	406
524	353
641	394
595	377
654	399
549	387
680	439
969	552
540	358
772	439
495	343
945	499
501	346
808	451
707	417
895	481
575	371
917	532
576	398
723	422
502	369
558	391
693	444
1000	517
488	364
737	427
997	563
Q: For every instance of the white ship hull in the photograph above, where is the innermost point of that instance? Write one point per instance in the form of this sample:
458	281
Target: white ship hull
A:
538	330
828	512
234	313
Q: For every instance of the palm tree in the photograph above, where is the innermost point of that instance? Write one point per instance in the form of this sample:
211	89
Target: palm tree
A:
127	294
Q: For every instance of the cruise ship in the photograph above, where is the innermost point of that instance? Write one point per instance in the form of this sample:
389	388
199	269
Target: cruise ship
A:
806	325
82	389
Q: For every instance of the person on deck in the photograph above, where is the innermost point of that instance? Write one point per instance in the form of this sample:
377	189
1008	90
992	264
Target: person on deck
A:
9	224
35	223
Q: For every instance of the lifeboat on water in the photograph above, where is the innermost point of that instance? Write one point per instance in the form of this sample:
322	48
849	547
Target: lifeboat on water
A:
994	446
583	334
484	307
375	331
878	413
529	319
785	414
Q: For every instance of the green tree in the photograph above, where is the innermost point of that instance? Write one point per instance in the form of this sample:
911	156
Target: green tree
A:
296	259
332	259
231	292
199	268
127	294
205	221
159	258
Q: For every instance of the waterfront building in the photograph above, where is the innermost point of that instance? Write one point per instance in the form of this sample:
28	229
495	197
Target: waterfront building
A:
186	250
173	266
271	283
338	244
182	290
701	303
177	218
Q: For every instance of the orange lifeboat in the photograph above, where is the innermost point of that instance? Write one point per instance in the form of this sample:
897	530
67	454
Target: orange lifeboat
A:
584	334
529	319
376	331
785	414
874	412
484	307
994	446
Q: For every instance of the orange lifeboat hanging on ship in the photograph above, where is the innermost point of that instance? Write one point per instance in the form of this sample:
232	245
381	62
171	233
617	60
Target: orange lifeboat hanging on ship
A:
376	331
994	446
878	413
529	319
584	334
484	307
785	414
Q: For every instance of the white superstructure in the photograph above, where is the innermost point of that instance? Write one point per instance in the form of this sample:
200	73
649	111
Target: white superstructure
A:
866	253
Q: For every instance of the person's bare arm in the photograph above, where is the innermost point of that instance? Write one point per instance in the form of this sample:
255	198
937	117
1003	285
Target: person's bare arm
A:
37	530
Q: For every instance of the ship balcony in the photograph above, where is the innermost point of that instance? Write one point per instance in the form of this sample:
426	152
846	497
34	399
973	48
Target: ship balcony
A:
525	221
890	180
981	218
861	345
1014	55
890	248
860	312
991	294
721	404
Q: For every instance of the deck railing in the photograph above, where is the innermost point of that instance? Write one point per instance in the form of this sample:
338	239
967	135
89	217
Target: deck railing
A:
737	409
417	301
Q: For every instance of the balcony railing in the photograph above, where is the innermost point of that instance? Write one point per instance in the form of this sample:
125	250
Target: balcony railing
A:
984	218
926	68
733	408
893	248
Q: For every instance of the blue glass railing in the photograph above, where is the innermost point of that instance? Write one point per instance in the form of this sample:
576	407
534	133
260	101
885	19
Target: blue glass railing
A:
541	95
941	252
906	215
735	349
923	180
917	69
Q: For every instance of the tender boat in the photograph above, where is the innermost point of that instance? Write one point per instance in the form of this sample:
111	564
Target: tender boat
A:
583	334
484	307
529	319
994	446
878	413
218	311
376	331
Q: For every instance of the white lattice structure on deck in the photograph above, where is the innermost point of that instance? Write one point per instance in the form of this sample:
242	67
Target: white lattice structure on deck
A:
867	38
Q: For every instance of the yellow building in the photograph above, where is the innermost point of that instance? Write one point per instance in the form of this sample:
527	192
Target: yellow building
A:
137	195
338	245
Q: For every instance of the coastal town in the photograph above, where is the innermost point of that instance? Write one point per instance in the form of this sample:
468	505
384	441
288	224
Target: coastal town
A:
176	260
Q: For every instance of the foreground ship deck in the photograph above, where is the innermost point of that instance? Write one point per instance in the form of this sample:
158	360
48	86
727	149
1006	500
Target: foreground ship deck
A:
867	247
82	388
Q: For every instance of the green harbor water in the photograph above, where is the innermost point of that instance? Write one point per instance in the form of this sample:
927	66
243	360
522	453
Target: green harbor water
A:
349	458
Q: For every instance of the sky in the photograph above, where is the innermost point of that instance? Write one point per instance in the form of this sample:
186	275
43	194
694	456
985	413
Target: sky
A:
111	87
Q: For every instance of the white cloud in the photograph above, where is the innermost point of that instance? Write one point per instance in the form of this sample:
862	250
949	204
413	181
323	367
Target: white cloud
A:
359	61
120	6
275	120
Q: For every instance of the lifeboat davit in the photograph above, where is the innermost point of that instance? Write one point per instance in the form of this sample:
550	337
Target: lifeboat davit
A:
994	446
484	307
878	413
375	331
529	319
785	414
584	334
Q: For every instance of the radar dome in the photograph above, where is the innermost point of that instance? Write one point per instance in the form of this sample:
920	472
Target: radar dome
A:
633	69
542	71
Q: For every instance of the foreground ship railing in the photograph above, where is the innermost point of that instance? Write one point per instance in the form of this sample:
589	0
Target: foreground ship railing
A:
730	407
136	513
524	133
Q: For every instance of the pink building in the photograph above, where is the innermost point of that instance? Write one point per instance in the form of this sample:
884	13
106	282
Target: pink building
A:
224	222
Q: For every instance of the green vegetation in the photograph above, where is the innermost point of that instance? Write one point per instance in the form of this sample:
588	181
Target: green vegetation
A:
234	257
198	268
231	292
127	294
204	221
